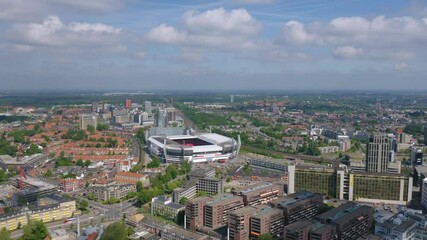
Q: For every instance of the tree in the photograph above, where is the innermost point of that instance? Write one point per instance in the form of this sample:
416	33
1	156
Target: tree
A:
139	186
265	236
183	200
87	163
80	163
48	173
101	127
83	205
35	230
140	134
5	234
247	169
155	162
91	129
115	231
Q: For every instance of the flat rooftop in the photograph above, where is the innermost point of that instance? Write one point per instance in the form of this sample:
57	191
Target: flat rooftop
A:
8	160
222	198
293	198
256	187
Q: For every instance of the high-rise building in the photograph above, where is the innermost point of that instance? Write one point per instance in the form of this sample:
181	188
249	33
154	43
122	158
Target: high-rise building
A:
231	98
148	108
161	118
424	193
86	120
128	104
417	155
377	153
171	114
95	107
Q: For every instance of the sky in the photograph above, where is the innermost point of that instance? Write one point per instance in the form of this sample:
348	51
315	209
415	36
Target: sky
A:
213	45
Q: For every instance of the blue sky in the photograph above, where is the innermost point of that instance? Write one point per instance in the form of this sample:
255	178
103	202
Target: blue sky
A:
229	44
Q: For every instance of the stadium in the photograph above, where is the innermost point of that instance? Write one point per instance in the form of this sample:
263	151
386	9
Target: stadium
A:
192	147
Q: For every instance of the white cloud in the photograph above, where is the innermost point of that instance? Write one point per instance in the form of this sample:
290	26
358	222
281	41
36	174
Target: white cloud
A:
347	51
397	37
400	66
52	32
295	33
221	22
212	28
165	34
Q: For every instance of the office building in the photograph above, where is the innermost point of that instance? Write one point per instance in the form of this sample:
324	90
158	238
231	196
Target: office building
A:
267	220
340	183
201	180
95	107
261	193
397	227
103	192
416	155
148	108
163	206
127	104
351	220
297	206
239	223
86	120
161	118
218	207
171	114
195	212
377	153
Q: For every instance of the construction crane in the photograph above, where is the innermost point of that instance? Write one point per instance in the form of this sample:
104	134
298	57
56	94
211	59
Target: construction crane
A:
21	176
21	171
19	152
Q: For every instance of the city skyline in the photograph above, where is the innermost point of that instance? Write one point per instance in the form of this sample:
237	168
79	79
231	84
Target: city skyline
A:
215	45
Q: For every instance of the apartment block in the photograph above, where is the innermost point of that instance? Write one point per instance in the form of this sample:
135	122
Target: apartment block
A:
195	212
48	209
261	193
163	206
351	220
297	206
217	209
104	192
299	230
267	220
239	223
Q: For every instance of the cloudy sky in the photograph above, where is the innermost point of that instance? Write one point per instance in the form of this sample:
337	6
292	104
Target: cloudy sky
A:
200	44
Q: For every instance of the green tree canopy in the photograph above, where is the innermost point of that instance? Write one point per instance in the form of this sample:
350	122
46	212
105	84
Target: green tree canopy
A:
265	236
5	235
36	230
115	231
